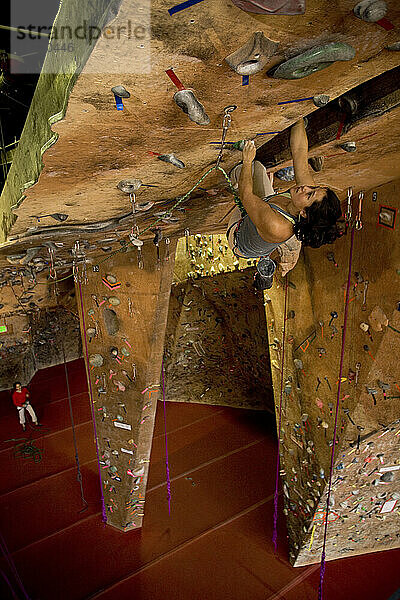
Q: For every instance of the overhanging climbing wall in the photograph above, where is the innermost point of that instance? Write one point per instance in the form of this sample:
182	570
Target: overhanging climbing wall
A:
365	482
220	55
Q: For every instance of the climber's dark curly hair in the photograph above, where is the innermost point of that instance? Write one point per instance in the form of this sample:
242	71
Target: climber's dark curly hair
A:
319	226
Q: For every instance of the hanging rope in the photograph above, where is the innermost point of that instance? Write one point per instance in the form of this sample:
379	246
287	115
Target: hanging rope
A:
11	564
276	494
346	311
103	508
166	445
78	467
4	576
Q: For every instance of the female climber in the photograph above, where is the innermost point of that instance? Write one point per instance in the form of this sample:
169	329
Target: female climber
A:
305	213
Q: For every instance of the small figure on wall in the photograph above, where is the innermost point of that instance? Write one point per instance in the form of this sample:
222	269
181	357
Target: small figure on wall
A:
20	397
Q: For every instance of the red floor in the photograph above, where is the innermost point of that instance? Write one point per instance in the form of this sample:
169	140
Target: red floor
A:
216	545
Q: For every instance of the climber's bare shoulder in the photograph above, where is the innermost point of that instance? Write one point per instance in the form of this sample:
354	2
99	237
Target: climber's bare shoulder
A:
274	227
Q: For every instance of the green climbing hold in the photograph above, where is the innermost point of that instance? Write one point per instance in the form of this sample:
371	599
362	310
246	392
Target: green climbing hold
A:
312	60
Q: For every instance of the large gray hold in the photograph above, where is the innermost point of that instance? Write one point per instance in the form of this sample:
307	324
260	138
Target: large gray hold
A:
111	321
253	55
312	60
272	7
187	101
370	10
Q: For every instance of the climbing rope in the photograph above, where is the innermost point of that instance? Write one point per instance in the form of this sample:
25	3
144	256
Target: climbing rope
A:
103	508
179	201
78	467
346	311
28	450
225	126
166	445
276	493
9	559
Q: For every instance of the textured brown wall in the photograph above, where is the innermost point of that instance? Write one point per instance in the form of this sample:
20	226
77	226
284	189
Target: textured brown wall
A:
308	413
125	388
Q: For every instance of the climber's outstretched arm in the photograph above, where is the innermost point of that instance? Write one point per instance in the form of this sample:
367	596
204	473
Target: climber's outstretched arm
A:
299	150
268	223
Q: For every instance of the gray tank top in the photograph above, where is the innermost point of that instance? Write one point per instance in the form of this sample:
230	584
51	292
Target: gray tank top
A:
248	240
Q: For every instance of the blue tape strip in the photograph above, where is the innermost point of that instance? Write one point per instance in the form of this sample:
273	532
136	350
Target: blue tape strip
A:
245	80
119	103
298	100
182	6
268	132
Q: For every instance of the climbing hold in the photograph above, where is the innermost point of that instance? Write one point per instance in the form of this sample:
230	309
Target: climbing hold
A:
370	10
111	321
170	219
129	186
121	91
96	360
143	206
377	318
14	258
111	279
272	7
113	351
120	386
125	352
349	103
30	253
312	60
348	146
187	101
393	47
316	163
253	55
388	476
171	158
321	100
56	216
114	300
138	471
285	174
